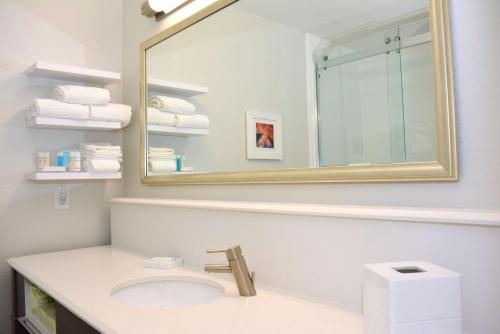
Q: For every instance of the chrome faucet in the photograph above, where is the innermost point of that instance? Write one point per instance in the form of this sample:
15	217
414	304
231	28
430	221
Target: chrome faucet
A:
238	266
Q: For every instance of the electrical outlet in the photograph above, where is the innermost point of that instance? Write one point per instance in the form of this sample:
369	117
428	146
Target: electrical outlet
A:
61	197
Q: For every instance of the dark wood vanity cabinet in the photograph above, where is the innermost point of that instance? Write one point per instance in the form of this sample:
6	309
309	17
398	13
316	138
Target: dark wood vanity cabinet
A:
66	322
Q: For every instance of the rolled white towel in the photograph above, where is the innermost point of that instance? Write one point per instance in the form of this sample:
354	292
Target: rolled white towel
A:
112	112
172	104
101	166
162	166
81	94
55	109
159	117
192	121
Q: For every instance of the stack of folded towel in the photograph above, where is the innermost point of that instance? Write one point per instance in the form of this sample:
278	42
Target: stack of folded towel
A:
162	160
81	103
101	158
171	111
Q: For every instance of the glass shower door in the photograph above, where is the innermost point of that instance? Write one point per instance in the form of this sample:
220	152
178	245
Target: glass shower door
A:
375	95
354	123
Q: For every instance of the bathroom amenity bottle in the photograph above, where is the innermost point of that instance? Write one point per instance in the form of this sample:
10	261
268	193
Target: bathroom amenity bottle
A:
60	159
43	160
178	162
75	161
66	158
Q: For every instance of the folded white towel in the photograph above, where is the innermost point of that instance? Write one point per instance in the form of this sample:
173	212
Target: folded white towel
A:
172	104
101	166
56	109
81	94
163	166
159	117
93	156
192	121
101	151
112	112
100	147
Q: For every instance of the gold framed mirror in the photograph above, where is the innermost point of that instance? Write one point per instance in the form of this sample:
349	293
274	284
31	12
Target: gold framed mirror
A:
392	72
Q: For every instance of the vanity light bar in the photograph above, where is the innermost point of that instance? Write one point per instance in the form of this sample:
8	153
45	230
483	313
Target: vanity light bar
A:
161	8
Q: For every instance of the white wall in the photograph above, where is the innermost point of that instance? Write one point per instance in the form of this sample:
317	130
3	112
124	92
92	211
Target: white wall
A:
251	63
477	78
320	256
477	101
81	33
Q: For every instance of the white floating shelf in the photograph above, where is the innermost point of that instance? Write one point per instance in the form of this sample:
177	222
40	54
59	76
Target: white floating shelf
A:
72	73
72	124
175	88
174	131
72	176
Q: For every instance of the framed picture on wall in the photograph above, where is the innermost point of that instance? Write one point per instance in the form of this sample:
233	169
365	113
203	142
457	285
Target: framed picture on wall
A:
264	135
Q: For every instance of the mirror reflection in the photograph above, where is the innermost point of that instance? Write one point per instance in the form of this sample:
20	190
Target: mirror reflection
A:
280	84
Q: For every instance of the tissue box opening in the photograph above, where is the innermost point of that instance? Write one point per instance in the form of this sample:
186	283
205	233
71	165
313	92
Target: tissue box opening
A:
409	270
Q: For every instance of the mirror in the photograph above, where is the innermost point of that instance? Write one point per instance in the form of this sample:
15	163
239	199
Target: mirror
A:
257	91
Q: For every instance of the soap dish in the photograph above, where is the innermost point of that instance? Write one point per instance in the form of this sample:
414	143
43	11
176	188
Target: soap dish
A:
162	262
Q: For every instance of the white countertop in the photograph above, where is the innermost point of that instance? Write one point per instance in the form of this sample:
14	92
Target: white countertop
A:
82	280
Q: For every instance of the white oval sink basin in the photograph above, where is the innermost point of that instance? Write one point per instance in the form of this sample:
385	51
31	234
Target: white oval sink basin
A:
168	292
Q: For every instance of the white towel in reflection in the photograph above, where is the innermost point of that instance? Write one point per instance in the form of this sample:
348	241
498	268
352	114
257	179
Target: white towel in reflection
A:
81	94
172	104
161	156
163	166
159	117
112	112
166	150
192	121
55	109
101	166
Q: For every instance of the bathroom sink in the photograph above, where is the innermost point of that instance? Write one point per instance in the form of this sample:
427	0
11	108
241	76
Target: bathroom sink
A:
168	292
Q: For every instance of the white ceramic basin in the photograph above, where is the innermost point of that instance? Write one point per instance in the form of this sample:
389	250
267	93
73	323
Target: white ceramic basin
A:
168	292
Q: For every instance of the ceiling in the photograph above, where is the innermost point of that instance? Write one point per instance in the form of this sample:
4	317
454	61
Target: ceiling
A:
327	18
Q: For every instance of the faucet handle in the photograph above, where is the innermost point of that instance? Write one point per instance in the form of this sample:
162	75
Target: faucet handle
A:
232	253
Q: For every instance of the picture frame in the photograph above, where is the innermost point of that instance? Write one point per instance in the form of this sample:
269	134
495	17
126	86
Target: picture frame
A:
264	136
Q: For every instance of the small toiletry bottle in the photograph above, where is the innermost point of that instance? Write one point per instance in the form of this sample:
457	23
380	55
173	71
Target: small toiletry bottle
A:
66	158
178	162
60	160
75	161
43	160
183	162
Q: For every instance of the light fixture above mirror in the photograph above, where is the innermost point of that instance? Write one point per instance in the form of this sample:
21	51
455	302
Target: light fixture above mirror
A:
161	8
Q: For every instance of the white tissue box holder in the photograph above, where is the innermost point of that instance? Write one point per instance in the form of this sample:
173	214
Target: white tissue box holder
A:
411	298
